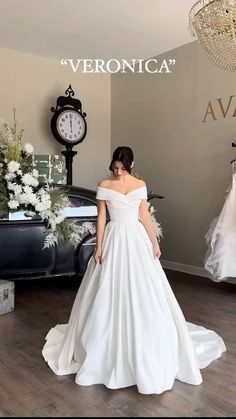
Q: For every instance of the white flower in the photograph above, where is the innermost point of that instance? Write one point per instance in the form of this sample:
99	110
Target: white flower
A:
33	199
17	189
13	166
35	182
29	148
13	204
28	189
11	186
41	206
43	194
44	197
10	176
35	173
19	172
28	179
24	199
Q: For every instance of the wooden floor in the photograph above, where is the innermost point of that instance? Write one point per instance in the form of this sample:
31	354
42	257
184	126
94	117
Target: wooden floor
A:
28	388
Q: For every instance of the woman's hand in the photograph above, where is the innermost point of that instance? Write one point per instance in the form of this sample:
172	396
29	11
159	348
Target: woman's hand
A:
98	255
156	250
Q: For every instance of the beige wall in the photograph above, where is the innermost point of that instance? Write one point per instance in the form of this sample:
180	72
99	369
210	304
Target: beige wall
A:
188	161
32	83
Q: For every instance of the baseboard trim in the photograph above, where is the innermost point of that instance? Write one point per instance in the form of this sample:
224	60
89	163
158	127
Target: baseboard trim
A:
190	269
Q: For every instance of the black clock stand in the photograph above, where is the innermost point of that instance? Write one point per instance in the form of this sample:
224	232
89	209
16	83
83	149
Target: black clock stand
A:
69	154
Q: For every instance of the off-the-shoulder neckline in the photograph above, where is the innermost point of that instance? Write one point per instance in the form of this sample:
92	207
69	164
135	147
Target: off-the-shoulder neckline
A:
113	190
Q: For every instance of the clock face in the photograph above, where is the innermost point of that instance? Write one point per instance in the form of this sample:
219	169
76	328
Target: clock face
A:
70	126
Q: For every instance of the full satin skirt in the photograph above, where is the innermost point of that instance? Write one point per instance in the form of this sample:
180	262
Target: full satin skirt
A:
126	327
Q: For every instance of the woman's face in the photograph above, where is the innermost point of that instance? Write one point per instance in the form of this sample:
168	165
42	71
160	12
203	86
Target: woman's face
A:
119	169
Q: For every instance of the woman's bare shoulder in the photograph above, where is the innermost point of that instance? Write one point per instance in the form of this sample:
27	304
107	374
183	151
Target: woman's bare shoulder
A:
104	183
140	182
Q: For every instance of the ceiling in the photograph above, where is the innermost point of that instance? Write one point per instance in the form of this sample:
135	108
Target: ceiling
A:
94	28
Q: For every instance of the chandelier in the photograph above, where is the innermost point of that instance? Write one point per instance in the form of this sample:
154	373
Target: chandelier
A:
214	24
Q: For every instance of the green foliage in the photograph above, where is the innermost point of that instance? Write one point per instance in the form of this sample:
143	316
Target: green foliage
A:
4	197
58	198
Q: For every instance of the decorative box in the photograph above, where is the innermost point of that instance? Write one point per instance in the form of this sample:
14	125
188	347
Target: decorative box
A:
51	167
7	298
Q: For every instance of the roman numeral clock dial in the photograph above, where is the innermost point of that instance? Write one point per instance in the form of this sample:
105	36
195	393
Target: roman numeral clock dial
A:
70	126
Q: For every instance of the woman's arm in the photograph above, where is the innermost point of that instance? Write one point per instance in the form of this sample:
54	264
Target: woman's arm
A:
101	222
100	227
145	218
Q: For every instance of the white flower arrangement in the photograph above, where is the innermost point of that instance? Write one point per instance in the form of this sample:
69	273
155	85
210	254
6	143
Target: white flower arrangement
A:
21	190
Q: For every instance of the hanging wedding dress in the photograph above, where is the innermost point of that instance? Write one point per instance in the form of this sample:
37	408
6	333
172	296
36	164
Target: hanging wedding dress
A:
220	258
126	326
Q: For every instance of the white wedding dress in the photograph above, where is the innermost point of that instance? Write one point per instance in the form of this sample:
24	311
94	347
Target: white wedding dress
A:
221	240
126	327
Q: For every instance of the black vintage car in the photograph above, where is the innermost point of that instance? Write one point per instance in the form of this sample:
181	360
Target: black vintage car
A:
21	242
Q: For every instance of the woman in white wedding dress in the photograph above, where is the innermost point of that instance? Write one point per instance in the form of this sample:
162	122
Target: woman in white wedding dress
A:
126	327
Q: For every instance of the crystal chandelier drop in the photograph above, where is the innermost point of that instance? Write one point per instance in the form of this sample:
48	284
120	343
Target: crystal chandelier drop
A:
214	24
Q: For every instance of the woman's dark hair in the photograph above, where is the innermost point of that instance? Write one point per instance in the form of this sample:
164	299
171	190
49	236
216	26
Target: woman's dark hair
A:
124	155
